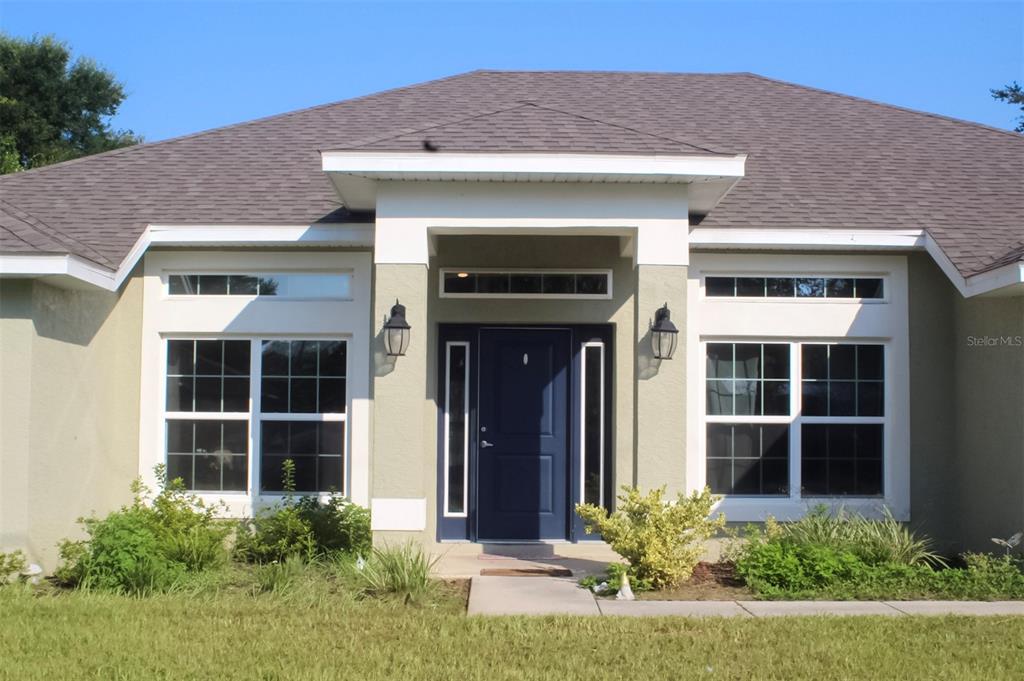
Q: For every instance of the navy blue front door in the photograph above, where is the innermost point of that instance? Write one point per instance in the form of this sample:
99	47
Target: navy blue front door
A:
523	434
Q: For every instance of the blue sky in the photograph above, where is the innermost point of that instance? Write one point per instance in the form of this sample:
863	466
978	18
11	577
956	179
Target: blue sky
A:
193	66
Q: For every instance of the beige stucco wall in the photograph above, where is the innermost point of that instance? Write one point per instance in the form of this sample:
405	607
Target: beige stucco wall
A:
69	409
933	398
967	412
989	345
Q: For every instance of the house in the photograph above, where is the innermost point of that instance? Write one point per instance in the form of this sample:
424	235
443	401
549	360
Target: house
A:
455	303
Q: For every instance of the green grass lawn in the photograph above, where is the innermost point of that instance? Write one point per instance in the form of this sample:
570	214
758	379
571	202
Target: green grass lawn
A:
328	634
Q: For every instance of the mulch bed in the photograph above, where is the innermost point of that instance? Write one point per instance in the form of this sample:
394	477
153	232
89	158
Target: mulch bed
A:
709	582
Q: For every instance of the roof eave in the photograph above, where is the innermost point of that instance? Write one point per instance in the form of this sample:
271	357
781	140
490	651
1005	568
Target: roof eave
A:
355	173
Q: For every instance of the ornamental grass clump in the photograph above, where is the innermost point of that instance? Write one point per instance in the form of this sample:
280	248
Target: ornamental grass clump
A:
401	572
662	541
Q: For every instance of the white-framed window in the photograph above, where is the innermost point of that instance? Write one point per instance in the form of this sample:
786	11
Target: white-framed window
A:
799	400
592	420
280	285
800	420
238	405
456	429
304	396
301	414
592	284
805	288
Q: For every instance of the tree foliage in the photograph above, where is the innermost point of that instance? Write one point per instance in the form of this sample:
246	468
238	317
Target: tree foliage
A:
51	109
1012	94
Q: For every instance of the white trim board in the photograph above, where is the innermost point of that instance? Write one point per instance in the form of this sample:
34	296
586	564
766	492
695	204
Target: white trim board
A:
361	235
355	235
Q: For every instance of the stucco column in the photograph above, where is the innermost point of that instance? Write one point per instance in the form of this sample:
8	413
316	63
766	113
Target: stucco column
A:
661	384
398	488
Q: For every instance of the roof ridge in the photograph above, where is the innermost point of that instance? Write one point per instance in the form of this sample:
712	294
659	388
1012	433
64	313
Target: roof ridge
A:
884	105
631	129
48	231
460	118
229	126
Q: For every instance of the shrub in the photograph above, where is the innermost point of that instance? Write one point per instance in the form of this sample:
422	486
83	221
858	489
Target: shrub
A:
612	578
306	527
11	565
147	546
397	571
662	542
122	554
817	559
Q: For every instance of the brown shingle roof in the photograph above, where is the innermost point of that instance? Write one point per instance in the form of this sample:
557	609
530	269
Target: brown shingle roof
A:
816	159
531	128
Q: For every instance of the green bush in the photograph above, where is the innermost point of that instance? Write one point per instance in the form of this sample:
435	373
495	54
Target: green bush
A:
613	579
662	542
817	560
147	546
306	527
395	571
11	564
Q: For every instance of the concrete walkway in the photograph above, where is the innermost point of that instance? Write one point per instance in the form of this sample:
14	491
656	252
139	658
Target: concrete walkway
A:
562	596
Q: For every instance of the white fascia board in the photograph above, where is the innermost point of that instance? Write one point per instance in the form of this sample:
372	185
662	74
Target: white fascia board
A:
978	284
341	234
14	265
370	164
806	239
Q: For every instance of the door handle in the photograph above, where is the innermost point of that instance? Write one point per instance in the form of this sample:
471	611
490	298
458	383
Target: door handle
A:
484	444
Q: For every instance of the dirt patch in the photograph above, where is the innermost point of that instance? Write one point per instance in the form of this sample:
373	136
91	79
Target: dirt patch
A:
709	582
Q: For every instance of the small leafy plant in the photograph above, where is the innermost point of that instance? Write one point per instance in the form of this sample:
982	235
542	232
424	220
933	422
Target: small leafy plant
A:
11	565
306	527
612	581
661	541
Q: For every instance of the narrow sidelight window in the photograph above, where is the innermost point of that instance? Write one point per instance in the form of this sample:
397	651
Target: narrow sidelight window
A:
593	400
456	429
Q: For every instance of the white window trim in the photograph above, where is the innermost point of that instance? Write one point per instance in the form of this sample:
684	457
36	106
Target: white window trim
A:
250	273
524	296
769	320
583	419
796	420
447	444
252	318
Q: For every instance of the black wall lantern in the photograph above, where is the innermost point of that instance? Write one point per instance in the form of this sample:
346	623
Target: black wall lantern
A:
664	334
396	332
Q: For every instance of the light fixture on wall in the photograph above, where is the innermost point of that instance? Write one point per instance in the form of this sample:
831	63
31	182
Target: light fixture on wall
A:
396	331
664	334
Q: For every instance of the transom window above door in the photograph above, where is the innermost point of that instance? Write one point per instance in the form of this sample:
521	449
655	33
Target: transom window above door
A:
489	283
